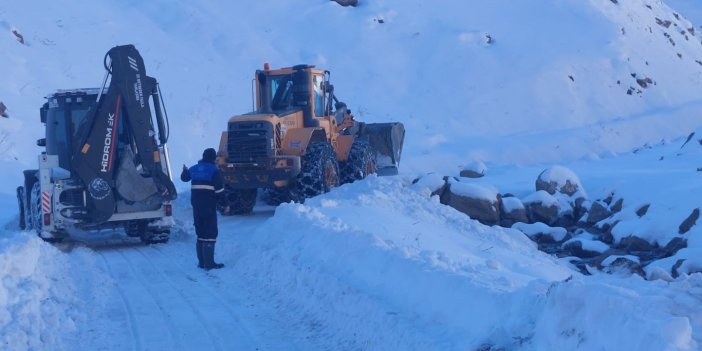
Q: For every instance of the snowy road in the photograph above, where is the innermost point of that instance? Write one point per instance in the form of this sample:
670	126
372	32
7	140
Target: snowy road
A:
165	302
161	302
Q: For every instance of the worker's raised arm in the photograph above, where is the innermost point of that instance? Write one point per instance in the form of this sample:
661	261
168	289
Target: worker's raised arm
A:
185	175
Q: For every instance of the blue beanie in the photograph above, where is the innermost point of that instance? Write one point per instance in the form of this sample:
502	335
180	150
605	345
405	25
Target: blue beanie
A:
209	155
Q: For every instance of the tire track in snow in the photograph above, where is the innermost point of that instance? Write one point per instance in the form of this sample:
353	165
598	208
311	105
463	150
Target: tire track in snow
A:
149	287
131	322
235	334
176	309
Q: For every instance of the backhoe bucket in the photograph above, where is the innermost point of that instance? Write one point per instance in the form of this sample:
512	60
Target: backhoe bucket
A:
386	139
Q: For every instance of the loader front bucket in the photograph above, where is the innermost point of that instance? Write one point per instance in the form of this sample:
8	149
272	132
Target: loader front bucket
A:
386	139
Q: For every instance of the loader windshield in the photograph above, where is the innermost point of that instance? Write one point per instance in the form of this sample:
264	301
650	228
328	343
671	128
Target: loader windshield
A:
281	89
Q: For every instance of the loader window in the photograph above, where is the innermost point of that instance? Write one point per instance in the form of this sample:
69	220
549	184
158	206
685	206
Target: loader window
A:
318	95
282	92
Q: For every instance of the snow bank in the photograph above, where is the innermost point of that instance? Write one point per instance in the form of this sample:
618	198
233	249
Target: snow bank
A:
612	313
373	255
379	240
36	294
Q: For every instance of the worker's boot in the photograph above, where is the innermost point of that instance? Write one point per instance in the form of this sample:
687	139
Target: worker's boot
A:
198	249
208	256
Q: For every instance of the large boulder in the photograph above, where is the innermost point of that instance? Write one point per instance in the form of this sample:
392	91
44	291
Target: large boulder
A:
479	202
559	179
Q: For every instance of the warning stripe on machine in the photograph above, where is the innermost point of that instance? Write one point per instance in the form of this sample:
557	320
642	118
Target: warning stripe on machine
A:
45	202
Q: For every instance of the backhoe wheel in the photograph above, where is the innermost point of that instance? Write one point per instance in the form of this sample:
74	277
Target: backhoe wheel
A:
37	215
320	171
136	228
360	164
20	204
148	235
241	201
35	208
153	236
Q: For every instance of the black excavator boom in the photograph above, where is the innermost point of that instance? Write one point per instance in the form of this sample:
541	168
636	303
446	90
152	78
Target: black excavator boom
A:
124	106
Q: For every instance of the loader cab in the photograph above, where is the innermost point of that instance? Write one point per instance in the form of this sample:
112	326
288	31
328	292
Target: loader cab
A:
293	89
66	116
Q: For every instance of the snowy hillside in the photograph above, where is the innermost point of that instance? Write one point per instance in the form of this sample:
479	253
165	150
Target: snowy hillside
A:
608	88
555	77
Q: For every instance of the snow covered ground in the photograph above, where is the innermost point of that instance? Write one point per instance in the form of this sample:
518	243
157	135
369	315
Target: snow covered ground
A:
378	264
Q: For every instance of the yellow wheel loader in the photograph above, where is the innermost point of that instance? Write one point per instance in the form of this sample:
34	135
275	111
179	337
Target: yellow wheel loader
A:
300	141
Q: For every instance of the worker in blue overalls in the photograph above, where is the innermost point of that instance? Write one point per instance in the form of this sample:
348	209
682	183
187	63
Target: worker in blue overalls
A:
207	190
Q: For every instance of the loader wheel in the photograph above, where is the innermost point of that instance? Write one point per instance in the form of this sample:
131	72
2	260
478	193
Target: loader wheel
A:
20	204
360	164
241	201
276	196
320	171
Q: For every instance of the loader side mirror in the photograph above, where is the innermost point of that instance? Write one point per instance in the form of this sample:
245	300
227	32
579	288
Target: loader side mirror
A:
41	142
328	87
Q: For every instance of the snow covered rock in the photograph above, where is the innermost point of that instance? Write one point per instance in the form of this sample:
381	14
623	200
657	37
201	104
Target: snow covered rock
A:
18	35
512	211
479	202
635	244
542	233
3	110
584	247
346	3
617	206
432	182
689	222
597	212
476	169
673	246
542	207
626	264
641	211
559	179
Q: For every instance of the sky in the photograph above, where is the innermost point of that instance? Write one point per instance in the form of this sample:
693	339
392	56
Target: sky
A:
378	264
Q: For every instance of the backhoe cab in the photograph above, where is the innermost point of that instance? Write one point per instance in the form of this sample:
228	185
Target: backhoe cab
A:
300	141
105	163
